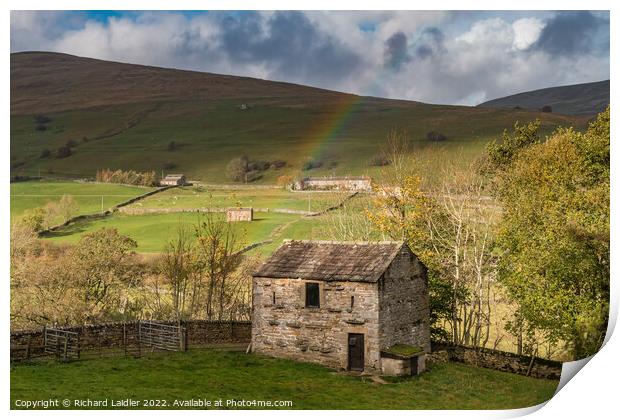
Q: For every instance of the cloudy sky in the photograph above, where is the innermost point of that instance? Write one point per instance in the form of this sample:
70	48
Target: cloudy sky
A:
437	57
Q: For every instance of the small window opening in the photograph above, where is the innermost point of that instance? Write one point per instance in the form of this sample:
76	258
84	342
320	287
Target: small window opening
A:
352	301
273	297
312	295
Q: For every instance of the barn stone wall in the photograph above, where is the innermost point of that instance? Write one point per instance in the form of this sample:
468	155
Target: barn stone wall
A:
327	183
404	314
288	329
239	214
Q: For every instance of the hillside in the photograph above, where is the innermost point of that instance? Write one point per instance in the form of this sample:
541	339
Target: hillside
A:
115	115
581	99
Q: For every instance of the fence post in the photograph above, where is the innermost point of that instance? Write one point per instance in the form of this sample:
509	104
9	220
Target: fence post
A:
65	358
28	348
124	339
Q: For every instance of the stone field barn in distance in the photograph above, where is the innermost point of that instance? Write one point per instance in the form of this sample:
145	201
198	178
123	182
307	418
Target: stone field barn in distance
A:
240	214
173	180
337	183
342	304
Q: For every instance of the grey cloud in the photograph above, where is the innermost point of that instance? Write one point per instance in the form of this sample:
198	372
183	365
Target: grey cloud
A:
430	42
395	52
290	45
571	32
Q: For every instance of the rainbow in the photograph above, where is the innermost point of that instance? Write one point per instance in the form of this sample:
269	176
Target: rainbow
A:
326	131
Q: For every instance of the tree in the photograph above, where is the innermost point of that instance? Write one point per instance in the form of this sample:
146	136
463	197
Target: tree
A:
63	152
219	257
102	271
553	238
67	207
237	168
179	267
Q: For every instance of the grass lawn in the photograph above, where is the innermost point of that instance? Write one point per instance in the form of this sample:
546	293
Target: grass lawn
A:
153	231
220	374
272	198
88	196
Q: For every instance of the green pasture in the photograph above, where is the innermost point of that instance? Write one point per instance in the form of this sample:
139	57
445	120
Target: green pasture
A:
89	196
227	375
208	135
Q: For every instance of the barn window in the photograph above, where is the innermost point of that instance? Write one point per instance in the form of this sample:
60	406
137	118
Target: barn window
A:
274	298
312	295
352	301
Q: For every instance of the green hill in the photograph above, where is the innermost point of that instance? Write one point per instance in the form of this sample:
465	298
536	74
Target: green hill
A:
581	99
116	115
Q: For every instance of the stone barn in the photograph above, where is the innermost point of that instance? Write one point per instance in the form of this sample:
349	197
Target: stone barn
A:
239	214
337	183
173	180
355	306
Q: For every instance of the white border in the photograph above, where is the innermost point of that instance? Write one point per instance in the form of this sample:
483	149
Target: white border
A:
591	394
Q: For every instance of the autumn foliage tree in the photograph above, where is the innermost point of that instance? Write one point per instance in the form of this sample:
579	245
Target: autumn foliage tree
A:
553	238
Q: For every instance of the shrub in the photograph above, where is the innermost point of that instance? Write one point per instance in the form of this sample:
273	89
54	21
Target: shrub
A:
284	180
172	146
71	143
435	136
40	127
169	165
237	168
379	160
45	153
63	152
41	119
311	164
546	108
277	164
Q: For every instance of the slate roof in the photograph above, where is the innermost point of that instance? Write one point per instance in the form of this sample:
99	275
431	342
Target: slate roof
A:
330	261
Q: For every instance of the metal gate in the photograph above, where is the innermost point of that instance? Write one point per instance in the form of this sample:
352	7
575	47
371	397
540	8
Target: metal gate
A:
63	344
161	336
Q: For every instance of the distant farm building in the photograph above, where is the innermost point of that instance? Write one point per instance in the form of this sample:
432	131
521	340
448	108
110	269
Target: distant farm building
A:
173	180
338	183
355	306
240	214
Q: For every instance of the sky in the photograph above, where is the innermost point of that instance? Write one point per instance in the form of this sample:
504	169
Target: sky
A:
461	58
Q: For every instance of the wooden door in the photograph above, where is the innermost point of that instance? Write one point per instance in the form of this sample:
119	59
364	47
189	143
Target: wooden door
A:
356	352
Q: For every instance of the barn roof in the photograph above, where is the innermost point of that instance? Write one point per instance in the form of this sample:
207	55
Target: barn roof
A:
330	261
174	176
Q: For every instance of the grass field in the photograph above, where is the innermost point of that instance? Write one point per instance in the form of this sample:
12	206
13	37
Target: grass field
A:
272	198
90	197
153	231
227	375
129	123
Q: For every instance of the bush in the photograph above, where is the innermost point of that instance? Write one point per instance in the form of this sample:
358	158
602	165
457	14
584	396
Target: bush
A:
40	127
277	164
379	160
63	152
546	108
169	165
435	136
45	153
311	164
284	180
41	119
71	143
237	168
172	146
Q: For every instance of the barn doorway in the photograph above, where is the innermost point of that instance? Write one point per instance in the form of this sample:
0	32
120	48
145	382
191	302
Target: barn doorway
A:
356	352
